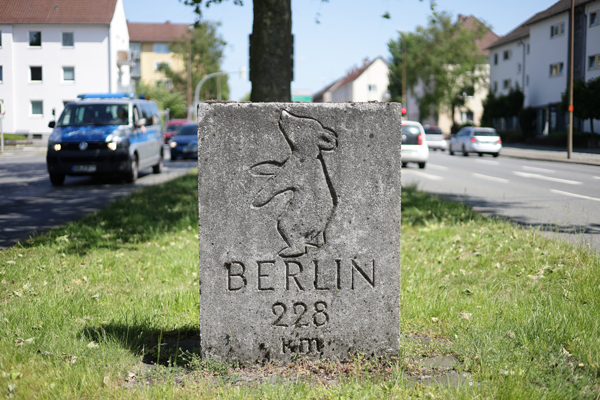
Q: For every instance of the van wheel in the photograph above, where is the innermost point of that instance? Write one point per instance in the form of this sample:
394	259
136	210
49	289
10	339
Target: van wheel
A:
496	155
132	175
404	165
57	179
465	152
157	169
480	154
450	151
422	165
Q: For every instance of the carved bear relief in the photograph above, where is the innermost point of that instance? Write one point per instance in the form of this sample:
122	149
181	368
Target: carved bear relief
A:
311	197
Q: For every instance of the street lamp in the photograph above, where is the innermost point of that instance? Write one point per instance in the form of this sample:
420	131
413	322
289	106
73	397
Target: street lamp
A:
242	73
403	49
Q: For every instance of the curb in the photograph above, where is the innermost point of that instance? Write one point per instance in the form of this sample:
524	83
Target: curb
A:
550	159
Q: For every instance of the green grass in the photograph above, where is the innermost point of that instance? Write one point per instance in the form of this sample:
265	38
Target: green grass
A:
81	305
14	136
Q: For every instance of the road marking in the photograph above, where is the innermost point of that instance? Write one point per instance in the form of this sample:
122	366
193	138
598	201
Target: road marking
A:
440	167
580	196
488	162
538	169
546	178
490	178
596	177
427	176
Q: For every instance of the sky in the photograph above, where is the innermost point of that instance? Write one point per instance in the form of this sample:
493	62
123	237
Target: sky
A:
347	31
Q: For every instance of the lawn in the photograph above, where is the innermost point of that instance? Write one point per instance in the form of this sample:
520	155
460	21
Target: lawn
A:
84	304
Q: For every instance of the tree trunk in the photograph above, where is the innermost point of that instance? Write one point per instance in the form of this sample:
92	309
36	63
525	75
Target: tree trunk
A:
271	49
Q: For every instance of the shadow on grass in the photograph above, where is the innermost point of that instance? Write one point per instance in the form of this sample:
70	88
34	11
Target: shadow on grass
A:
152	211
420	208
177	346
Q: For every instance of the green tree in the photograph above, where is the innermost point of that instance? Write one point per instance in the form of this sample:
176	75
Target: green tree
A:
206	49
504	106
271	46
164	98
586	100
442	56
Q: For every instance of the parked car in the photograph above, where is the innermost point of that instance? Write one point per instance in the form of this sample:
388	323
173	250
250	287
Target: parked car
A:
435	138
185	144
172	127
414	144
105	133
476	140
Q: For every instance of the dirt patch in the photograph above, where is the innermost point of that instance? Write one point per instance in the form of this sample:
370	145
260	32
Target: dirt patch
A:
428	362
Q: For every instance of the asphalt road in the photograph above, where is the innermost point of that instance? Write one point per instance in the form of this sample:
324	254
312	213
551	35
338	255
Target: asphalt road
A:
29	204
562	200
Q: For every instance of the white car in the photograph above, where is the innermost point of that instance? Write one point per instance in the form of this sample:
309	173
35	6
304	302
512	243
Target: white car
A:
435	138
476	140
414	144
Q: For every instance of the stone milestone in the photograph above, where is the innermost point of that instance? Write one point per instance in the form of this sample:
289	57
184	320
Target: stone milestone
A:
299	208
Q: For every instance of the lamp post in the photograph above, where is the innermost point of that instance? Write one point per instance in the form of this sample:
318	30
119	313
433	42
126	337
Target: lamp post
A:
242	73
403	49
572	42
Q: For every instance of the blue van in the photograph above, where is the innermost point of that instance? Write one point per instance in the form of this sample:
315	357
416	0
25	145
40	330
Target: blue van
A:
108	133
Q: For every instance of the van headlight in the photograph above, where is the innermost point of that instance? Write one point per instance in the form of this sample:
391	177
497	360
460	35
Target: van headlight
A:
114	143
52	145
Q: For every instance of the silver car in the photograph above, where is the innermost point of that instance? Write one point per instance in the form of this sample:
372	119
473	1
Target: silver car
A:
435	138
476	140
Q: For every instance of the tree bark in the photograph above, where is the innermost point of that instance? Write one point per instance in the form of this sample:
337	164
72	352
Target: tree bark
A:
271	50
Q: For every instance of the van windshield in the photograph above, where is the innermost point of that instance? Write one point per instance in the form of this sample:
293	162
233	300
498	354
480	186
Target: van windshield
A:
94	114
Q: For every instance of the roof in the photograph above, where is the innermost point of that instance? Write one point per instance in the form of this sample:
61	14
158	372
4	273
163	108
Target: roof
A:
351	76
522	30
98	12
557	8
166	32
519	32
490	37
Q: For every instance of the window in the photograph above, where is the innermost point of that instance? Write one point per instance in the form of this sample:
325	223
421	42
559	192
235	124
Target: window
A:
35	74
161	48
593	62
556	69
68	39
69	74
0	39
527	48
557	30
495	58
495	87
506	54
158	64
506	84
595	18
526	80
372	88
35	39
166	83
37	107
519	68
1	73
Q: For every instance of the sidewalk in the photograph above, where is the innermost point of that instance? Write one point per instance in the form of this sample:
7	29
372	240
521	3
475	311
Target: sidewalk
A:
578	156
23	151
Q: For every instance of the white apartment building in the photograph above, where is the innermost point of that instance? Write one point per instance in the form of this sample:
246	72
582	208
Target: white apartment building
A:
53	50
472	111
367	83
535	57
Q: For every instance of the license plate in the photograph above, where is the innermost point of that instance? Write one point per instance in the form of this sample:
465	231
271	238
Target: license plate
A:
84	168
